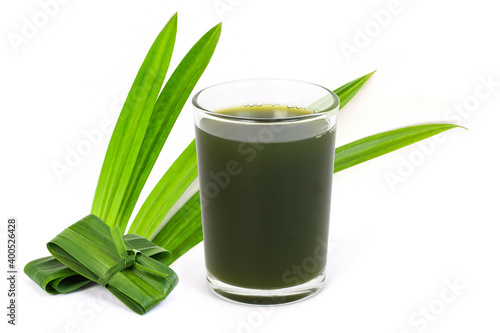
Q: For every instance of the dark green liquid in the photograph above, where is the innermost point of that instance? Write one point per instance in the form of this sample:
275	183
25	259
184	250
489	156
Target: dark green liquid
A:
265	206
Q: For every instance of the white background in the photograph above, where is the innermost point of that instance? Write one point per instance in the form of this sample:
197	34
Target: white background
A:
394	247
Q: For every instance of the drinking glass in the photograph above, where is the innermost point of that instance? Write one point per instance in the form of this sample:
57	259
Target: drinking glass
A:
265	151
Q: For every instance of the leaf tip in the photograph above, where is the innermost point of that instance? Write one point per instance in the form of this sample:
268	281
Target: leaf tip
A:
216	30
174	18
452	126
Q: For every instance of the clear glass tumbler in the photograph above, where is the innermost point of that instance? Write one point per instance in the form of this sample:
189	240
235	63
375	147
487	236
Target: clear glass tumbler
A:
265	152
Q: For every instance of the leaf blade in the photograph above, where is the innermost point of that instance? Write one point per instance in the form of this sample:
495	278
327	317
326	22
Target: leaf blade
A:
167	109
345	93
350	89
166	193
131	126
183	230
380	144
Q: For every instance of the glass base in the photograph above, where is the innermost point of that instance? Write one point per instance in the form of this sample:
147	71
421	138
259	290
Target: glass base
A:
266	296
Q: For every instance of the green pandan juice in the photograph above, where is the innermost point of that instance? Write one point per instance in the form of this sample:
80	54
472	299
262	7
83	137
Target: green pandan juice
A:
265	183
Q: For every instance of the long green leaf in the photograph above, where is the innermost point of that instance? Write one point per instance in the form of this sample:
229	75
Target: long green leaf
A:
348	90
379	144
143	126
183	230
130	129
169	105
166	193
345	93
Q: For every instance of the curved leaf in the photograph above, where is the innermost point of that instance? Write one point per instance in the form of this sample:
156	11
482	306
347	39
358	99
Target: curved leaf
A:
344	93
131	126
167	108
183	230
166	193
379	144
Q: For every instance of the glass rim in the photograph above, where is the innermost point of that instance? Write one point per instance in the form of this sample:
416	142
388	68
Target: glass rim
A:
334	106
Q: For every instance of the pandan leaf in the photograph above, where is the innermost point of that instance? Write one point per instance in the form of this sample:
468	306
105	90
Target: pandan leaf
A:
183	230
379	144
166	193
344	93
172	99
99	253
92	251
56	278
130	129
